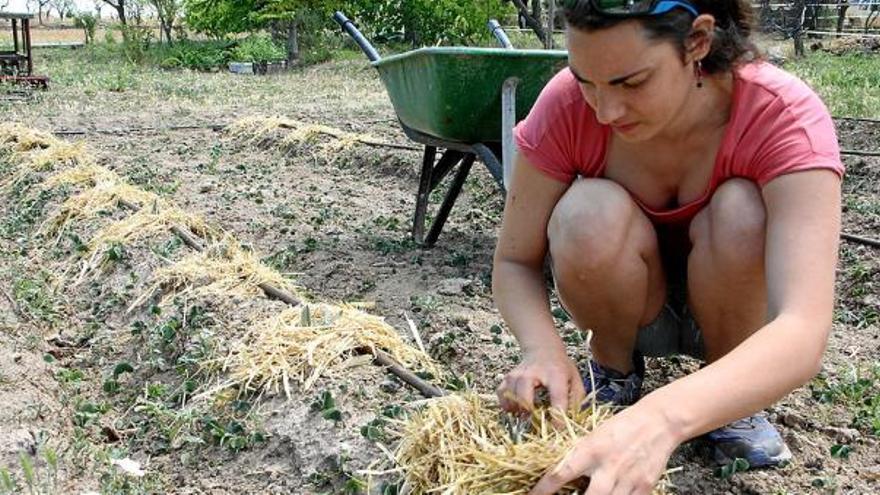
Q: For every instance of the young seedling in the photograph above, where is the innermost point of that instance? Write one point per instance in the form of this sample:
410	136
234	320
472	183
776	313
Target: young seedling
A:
325	405
739	465
841	451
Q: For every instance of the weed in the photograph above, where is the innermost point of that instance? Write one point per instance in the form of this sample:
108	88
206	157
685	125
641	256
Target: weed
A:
425	303
739	465
841	451
34	296
858	390
849	84
326	405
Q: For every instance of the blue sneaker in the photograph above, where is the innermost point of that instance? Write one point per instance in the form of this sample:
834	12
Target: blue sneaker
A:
615	388
753	439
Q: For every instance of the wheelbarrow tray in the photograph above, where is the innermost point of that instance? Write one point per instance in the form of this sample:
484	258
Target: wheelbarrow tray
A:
454	93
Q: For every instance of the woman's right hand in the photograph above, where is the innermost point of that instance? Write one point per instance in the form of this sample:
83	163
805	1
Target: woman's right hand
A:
550	369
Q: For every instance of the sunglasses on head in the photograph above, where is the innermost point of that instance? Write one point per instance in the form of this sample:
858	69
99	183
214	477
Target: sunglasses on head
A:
634	8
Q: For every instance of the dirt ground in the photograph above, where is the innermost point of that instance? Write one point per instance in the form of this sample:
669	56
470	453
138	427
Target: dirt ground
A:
336	220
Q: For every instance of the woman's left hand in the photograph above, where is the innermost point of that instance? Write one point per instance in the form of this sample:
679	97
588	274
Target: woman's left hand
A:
625	455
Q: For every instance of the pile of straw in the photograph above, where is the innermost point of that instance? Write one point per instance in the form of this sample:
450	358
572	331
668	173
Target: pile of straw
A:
304	343
87	173
149	220
222	270
106	193
17	138
464	444
34	151
256	131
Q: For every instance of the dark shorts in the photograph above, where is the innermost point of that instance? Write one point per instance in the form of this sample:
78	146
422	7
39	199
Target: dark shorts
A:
674	331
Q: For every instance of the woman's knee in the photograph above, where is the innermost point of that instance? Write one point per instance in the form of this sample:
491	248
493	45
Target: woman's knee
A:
733	225
590	223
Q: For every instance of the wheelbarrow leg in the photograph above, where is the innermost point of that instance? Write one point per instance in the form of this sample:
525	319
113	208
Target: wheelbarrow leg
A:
454	190
418	231
429	179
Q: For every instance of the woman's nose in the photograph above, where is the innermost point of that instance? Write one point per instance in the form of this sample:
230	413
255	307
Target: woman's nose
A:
609	107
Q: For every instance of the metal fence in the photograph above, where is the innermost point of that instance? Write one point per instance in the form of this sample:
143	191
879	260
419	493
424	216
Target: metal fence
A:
800	19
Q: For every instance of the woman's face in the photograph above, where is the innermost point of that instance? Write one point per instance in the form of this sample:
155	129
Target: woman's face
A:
635	84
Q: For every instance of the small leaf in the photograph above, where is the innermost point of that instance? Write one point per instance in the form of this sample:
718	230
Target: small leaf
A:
332	414
327	401
841	451
111	386
305	317
121	368
740	465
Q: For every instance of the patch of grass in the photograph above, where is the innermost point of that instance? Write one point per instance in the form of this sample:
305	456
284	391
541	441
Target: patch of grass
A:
33	295
858	390
849	84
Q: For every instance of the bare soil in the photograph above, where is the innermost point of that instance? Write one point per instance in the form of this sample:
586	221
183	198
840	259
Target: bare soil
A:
338	223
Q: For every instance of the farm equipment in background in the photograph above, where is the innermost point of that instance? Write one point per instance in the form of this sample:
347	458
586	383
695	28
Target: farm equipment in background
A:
463	101
17	65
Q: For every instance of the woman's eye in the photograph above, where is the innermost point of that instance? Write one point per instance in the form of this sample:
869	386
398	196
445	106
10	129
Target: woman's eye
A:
633	84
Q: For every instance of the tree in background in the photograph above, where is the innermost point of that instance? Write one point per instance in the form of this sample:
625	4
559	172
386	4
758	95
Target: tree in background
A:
283	18
428	22
65	8
119	5
87	22
167	11
41	6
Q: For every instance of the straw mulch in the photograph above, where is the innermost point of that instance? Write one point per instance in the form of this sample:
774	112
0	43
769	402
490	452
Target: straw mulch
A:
34	151
307	342
104	195
221	270
464	444
256	131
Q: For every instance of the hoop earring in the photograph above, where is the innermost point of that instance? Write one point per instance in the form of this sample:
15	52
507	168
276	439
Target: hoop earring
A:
698	72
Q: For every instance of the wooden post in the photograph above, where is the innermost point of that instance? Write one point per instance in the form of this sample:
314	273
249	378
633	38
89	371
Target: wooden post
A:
26	25
15	35
551	24
797	32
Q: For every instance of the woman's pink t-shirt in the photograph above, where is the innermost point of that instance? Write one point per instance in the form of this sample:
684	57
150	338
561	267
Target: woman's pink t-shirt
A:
777	126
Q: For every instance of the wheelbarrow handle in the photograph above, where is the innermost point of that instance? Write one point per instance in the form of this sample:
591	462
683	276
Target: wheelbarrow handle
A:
499	34
352	31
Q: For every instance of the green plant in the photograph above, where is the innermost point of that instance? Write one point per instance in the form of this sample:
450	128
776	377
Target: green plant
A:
34	297
428	22
739	465
841	451
87	22
849	83
326	405
196	55
258	48
858	390
135	42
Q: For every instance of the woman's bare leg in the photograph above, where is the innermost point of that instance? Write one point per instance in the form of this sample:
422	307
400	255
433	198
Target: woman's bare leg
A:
607	267
727	290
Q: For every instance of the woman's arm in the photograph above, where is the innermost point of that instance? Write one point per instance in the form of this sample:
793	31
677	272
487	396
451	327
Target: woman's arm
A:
517	276
803	224
803	228
521	295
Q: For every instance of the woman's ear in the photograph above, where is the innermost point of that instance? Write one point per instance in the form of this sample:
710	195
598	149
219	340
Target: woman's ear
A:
699	42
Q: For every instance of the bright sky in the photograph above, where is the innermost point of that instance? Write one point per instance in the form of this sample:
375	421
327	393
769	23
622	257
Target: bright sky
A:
21	6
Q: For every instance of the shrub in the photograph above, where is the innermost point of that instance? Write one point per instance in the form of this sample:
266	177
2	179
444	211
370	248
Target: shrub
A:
87	22
258	48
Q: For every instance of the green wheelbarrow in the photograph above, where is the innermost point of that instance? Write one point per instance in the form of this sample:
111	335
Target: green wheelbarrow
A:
461	104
